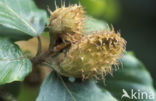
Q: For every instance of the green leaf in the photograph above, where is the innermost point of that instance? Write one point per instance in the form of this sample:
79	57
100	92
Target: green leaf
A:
21	16
92	25
13	65
13	34
131	76
51	3
57	88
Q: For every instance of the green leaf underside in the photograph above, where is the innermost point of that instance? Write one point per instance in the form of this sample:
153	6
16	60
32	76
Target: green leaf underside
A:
132	75
55	88
23	16
13	34
93	25
13	66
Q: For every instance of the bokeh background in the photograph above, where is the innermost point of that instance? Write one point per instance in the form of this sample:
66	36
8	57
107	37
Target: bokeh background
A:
135	19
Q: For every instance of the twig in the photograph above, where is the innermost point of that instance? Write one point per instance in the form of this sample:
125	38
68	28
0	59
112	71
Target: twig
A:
52	40
41	58
39	50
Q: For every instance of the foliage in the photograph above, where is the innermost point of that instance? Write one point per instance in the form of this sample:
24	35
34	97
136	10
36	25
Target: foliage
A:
22	17
23	20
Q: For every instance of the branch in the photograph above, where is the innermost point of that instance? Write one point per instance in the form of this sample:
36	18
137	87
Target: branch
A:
39	50
51	52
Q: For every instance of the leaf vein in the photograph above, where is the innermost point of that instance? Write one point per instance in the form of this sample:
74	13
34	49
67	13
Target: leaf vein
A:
23	20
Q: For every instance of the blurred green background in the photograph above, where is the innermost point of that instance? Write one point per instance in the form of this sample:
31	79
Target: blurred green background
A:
135	19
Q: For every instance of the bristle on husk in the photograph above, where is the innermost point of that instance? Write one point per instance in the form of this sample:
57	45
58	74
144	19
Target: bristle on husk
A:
93	56
67	22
